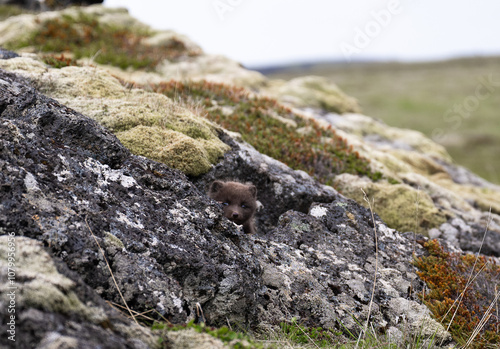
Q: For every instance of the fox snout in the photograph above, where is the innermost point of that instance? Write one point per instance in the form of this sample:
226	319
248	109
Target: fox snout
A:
233	215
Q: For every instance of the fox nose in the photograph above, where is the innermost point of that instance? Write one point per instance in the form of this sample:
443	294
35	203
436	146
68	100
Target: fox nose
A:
235	214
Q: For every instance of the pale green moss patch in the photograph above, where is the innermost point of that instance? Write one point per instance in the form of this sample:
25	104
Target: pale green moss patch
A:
191	156
148	124
112	240
396	204
42	286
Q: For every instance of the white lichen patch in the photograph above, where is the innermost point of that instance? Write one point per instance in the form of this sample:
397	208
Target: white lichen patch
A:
388	232
124	219
177	301
318	211
31	183
278	188
107	175
176	247
211	213
354	267
63	175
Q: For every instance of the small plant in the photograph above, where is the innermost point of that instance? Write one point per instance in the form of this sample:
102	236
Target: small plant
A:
235	339
446	275
273	129
59	61
322	338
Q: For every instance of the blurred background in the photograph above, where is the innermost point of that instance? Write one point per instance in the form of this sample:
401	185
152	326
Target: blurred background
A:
425	65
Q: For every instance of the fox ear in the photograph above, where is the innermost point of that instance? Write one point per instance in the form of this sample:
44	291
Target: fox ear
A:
253	190
216	186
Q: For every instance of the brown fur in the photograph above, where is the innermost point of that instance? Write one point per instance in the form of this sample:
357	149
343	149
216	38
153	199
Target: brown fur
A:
238	200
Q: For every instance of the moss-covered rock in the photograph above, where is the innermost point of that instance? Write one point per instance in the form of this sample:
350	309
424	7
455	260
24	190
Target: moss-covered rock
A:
148	123
173	148
44	289
399	205
313	91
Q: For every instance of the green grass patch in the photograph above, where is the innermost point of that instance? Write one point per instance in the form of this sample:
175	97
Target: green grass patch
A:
318	336
229	337
446	275
59	61
273	129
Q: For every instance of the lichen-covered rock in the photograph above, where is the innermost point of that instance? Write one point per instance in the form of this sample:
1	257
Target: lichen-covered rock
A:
280	188
314	92
429	189
320	267
149	124
69	171
400	205
68	182
53	307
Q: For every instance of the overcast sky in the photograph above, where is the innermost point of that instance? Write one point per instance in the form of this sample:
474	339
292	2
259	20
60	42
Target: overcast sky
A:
263	32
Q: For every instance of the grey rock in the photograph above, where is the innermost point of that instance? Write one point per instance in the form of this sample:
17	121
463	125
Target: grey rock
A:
55	308
280	188
450	234
434	233
6	54
68	184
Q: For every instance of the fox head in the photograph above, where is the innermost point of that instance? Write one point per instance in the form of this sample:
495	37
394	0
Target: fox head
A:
238	199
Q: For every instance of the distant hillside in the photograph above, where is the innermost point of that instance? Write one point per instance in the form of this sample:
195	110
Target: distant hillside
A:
423	96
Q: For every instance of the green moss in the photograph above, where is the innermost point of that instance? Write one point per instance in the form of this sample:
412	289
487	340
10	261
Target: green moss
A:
316	91
191	156
58	61
230	338
85	36
47	296
446	275
112	240
394	203
273	129
148	124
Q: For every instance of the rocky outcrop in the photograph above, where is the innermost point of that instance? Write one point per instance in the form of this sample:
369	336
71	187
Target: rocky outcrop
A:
94	171
54	308
149	124
68	183
426	188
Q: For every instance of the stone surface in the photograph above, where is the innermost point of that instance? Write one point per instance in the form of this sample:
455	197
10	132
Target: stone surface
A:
400	205
68	183
54	308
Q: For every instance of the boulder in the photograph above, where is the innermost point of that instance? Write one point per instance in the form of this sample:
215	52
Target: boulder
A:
53	308
68	184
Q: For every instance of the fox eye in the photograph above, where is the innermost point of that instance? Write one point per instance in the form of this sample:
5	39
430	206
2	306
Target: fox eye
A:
225	203
244	206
